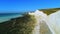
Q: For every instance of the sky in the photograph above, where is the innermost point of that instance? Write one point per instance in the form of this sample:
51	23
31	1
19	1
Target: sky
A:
12	6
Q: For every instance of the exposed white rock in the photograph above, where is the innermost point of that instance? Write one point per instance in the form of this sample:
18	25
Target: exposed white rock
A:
40	18
54	22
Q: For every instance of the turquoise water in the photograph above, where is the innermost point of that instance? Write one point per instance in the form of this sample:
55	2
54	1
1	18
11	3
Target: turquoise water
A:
6	17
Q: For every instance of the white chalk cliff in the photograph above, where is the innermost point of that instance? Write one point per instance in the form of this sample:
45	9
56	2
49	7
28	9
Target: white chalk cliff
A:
46	24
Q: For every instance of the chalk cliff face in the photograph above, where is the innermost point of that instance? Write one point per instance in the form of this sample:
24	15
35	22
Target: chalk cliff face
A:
54	22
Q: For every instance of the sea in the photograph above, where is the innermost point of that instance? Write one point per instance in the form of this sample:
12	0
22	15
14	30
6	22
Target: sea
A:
8	16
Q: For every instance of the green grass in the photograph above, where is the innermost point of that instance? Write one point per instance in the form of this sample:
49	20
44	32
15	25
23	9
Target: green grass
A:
49	11
20	25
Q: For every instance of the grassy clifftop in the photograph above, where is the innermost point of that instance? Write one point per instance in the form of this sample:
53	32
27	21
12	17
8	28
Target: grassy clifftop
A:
49	11
20	25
